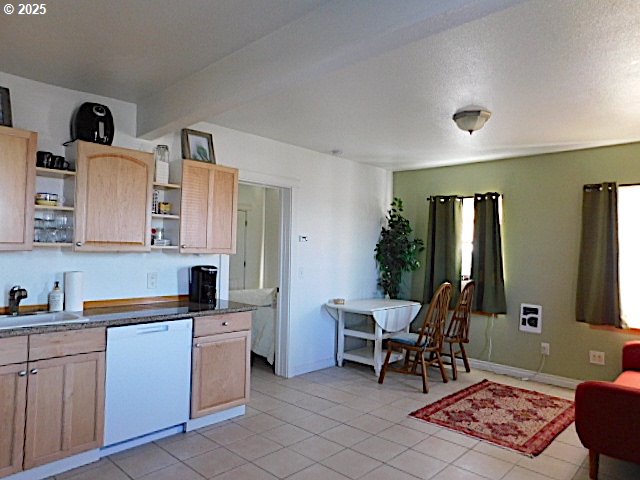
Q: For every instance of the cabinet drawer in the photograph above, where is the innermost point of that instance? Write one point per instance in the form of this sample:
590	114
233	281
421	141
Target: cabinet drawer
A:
72	342
228	322
13	350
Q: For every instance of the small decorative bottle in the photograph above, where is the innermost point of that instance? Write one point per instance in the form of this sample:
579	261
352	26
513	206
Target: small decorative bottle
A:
56	298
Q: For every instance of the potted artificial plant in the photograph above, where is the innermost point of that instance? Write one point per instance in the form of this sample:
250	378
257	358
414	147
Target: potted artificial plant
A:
395	251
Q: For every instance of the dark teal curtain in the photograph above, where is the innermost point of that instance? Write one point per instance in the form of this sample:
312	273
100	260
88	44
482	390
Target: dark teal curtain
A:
598	295
443	245
486	264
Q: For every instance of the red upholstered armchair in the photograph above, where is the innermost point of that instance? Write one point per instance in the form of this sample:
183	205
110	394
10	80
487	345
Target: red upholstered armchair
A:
608	413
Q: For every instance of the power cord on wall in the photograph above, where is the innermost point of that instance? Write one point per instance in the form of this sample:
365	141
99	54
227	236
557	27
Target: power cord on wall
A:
489	340
543	358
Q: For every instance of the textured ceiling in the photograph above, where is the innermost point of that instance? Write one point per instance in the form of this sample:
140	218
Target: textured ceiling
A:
127	49
377	80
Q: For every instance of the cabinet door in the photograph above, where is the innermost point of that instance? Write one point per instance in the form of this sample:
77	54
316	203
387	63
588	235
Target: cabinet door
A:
225	201
17	185
113	198
13	389
208	208
221	369
65	409
196	221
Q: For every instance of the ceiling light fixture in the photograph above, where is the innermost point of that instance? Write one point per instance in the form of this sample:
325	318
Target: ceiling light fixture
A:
471	120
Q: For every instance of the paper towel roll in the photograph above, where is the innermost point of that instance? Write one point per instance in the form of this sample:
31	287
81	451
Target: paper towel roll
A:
73	300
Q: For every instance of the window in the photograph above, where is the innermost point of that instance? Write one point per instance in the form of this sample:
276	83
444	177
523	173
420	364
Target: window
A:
468	216
467	236
629	254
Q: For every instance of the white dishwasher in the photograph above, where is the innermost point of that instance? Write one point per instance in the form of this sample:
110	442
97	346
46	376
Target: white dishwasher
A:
148	378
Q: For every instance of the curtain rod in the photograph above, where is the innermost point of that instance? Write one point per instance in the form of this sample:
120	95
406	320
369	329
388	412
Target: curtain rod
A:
465	196
629	184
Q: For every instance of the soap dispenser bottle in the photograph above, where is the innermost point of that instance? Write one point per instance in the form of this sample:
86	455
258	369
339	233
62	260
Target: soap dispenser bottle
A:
56	298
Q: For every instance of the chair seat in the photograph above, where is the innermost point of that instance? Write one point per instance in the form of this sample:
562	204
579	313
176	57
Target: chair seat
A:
408	338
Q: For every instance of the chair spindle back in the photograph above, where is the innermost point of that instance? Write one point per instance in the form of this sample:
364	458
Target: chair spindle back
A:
459	326
434	320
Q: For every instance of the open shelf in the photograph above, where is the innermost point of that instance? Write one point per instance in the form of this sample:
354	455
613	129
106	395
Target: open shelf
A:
59	208
167	247
166	186
165	216
53	173
52	245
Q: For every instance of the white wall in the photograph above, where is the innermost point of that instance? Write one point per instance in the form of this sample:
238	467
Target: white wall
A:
262	255
271	274
337	204
251	199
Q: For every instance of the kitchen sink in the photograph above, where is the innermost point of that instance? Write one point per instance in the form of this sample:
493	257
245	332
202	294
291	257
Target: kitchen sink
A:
34	319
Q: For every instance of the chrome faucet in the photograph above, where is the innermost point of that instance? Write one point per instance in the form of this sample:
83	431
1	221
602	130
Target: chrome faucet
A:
16	294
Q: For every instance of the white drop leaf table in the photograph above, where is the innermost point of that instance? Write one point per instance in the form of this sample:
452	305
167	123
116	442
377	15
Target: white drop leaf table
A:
389	316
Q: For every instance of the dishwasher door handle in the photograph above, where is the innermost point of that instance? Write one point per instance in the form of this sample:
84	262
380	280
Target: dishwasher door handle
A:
152	329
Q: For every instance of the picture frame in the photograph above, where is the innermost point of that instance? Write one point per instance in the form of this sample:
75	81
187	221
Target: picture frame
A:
197	146
5	107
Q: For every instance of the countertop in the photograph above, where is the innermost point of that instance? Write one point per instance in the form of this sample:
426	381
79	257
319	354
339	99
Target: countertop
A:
130	314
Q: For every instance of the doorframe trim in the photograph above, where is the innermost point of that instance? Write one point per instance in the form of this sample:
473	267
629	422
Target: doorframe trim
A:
286	185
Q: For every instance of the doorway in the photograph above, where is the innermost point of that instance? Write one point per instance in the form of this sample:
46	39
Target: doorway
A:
238	261
255	271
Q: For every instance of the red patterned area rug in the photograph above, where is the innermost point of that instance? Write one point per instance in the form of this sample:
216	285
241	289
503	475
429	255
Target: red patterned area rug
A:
511	417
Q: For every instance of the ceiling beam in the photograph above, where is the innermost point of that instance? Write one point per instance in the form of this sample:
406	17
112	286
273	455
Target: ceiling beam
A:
335	35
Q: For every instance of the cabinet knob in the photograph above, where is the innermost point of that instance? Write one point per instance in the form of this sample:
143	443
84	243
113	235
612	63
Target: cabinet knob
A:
78	244
183	246
23	373
225	324
198	345
34	371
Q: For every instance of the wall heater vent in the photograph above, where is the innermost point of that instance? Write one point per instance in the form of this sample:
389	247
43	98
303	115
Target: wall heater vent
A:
530	318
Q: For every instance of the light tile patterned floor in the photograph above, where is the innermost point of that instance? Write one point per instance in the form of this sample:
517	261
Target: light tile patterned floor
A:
340	424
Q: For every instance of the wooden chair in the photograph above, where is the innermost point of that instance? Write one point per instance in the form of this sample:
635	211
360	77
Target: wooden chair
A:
458	329
427	342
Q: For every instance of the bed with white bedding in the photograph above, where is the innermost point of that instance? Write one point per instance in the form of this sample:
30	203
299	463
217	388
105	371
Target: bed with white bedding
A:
263	326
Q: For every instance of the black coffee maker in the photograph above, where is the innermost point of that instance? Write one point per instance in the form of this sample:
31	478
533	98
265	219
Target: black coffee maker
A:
202	284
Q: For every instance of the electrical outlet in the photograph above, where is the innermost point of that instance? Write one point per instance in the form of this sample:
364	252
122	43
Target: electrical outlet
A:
152	280
544	348
595	357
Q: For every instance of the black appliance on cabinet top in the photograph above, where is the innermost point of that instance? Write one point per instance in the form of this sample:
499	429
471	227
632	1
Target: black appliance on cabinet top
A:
92	122
203	280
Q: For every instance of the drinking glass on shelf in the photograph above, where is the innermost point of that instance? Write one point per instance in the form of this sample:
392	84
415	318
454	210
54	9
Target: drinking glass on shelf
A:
52	235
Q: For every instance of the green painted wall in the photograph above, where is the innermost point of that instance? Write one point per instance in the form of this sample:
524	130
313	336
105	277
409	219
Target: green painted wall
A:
541	235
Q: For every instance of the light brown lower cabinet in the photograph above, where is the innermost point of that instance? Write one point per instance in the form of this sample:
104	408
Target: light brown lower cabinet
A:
65	408
221	364
13	397
51	408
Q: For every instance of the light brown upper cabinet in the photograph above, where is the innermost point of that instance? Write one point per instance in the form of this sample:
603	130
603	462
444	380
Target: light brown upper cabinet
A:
17	185
208	208
113	198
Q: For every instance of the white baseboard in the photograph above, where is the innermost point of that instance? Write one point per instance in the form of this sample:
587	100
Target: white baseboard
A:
134	442
522	373
59	466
